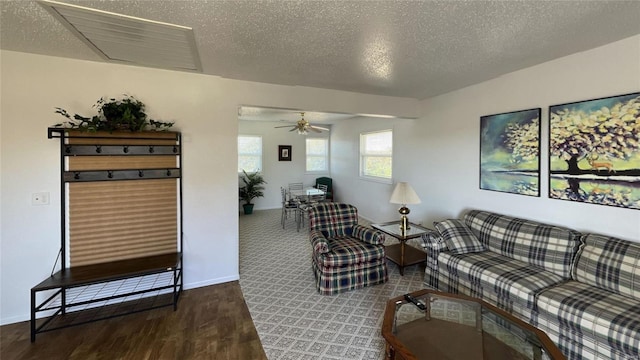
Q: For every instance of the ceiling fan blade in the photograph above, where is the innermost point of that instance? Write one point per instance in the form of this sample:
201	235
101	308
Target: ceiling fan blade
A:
318	127
315	129
283	126
294	128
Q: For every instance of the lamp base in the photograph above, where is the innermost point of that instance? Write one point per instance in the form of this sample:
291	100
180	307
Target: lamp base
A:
404	221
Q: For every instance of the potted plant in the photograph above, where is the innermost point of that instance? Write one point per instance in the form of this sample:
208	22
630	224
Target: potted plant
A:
253	188
126	114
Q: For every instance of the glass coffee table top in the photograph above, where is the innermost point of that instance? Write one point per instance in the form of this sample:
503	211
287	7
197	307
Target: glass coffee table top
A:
448	326
393	228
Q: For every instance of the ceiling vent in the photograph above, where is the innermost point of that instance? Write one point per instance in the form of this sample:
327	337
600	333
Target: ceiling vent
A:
129	40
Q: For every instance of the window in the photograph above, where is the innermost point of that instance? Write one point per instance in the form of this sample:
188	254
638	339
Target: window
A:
376	152
249	153
317	150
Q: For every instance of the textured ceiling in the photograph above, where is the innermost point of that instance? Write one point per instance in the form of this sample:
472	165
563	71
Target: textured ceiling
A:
413	49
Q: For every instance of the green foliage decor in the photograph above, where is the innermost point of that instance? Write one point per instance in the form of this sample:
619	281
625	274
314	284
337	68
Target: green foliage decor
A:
126	114
253	186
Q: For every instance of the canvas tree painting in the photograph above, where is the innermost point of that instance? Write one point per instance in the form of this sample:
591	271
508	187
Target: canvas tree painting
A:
594	151
510	152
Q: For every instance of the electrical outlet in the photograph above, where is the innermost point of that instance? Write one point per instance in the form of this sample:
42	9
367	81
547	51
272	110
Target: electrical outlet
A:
41	198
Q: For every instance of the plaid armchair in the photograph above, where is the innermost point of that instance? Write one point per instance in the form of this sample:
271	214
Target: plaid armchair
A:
346	256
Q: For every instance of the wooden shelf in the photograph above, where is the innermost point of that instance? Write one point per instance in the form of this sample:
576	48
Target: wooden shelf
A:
116	270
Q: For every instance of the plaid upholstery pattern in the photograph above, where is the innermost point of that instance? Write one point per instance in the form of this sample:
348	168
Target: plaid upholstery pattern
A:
333	219
346	256
319	243
576	345
433	245
334	280
508	278
458	237
549	247
460	286
603	318
531	272
348	251
368	235
609	263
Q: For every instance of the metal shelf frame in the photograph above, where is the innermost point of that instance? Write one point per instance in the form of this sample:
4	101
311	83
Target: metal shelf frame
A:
170	266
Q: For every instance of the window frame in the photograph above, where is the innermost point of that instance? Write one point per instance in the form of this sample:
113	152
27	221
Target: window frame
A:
261	156
327	156
363	155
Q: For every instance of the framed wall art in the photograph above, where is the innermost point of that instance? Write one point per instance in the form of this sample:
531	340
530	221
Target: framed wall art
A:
594	151
510	152
284	152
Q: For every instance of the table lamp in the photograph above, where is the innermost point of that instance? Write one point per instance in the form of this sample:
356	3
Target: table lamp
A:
404	194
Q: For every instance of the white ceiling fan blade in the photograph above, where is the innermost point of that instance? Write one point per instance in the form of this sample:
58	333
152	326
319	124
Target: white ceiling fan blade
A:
284	126
318	127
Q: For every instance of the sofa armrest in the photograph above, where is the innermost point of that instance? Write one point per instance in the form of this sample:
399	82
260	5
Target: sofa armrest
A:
319	242
368	235
433	245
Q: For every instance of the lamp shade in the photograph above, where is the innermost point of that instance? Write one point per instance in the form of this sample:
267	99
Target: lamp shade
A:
404	194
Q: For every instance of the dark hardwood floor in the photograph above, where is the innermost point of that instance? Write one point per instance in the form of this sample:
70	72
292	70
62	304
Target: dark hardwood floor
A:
212	322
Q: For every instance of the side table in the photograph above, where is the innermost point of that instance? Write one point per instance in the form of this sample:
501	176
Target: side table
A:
402	254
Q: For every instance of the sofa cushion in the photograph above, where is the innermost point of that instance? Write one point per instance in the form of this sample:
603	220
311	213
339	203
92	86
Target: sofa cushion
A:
348	251
509	278
458	237
610	264
607	317
546	246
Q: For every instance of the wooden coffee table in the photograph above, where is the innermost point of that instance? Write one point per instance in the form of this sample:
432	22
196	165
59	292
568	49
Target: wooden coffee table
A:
451	326
401	254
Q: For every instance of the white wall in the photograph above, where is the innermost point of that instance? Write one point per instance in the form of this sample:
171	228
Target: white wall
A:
438	154
280	173
205	110
370	197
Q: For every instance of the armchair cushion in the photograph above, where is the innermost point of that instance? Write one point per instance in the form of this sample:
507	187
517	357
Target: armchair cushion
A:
458	237
348	251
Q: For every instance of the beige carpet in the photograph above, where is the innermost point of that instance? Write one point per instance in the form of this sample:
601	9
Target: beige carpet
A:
293	320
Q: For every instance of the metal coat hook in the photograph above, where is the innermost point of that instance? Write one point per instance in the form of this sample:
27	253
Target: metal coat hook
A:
110	174
125	149
151	150
98	149
140	173
168	172
76	175
175	149
67	149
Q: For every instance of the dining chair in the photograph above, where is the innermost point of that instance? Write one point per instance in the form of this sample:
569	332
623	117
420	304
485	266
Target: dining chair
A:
296	186
326	181
305	208
324	188
288	208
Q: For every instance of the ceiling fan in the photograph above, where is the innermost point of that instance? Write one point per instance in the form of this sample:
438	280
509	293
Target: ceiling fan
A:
303	126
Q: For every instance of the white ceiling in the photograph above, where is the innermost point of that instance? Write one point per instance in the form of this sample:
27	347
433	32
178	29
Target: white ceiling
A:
414	49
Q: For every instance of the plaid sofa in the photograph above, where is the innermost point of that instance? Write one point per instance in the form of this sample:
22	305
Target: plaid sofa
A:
346	256
583	290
